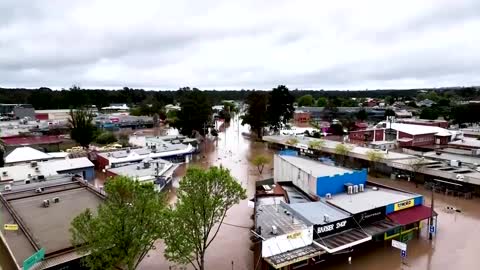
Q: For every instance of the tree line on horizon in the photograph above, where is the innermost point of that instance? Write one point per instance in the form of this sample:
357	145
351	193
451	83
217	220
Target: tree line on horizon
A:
76	97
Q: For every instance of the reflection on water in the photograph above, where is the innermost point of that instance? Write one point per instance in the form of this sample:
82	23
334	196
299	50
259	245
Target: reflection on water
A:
455	246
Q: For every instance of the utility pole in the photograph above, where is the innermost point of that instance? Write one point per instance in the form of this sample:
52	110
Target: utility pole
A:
430	233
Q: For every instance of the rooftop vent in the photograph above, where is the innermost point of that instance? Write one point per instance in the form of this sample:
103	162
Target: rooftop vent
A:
375	188
56	200
361	187
328	196
33	164
37	169
355	189
274	230
27	182
39	190
350	190
7	187
138	167
326	218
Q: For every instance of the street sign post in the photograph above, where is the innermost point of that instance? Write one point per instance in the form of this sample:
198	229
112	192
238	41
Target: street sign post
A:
10	227
36	257
399	245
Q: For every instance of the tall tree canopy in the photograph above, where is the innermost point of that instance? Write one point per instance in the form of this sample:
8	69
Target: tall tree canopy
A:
280	107
82	129
256	115
195	113
321	102
123	229
306	100
362	115
204	198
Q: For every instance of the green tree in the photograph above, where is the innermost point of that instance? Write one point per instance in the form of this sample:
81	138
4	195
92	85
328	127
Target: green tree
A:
123	139
389	100
416	166
256	114
292	141
374	157
123	229
106	138
82	129
306	100
195	113
316	144
362	115
204	198
280	107
330	111
321	102
389	112
260	161
429	113
342	150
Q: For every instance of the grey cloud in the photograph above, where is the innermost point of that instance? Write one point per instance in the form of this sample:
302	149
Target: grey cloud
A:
220	45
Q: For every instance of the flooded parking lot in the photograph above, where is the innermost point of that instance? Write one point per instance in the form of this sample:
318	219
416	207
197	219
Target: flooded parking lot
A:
454	247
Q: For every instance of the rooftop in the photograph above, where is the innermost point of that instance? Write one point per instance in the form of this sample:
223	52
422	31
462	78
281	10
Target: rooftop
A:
24	154
144	172
168	149
315	212
46	168
416	129
315	168
466	142
357	151
369	199
276	215
32	140
45	227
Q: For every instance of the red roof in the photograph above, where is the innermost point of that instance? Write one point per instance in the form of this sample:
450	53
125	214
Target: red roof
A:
31	140
411	215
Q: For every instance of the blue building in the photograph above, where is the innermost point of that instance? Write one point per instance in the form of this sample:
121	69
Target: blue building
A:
314	177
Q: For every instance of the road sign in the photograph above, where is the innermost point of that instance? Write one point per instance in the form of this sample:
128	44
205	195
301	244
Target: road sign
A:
10	227
399	245
432	229
403	253
36	257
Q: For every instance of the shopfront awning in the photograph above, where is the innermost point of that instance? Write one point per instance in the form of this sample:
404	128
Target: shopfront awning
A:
343	240
380	227
411	215
293	256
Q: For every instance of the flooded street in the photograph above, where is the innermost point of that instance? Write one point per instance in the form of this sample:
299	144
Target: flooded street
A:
455	246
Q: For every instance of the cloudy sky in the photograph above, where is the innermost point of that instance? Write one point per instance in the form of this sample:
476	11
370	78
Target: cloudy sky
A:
232	44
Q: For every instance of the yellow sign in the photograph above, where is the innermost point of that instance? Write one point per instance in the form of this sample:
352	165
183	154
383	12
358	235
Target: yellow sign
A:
294	235
10	227
404	205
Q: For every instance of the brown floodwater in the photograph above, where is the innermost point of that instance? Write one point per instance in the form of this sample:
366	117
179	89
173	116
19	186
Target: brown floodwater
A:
454	247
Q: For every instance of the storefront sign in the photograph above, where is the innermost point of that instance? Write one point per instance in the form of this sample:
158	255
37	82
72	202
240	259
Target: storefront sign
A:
334	227
399	245
10	227
404	205
294	235
370	215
